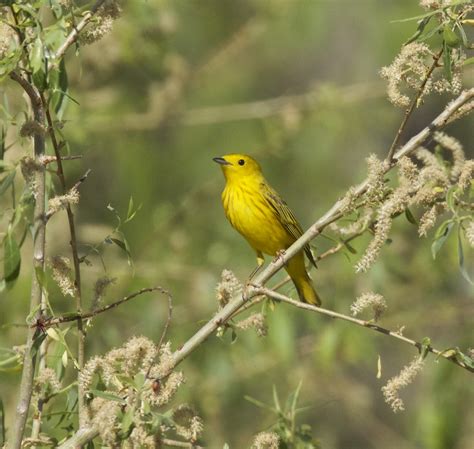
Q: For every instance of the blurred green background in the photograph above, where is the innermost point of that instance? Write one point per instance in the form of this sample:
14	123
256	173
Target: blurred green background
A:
294	83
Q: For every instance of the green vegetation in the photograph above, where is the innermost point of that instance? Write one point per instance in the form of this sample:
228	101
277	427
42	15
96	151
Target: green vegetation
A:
137	98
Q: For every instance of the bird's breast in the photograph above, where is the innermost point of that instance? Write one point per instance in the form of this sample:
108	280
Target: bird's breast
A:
250	214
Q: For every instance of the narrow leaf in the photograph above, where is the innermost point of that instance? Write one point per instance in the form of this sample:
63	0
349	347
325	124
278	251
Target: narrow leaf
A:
12	259
410	217
462	266
109	396
6	182
441	236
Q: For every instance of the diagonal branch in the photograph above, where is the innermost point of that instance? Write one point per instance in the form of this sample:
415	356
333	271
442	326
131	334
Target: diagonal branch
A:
45	323
74	34
335	212
368	324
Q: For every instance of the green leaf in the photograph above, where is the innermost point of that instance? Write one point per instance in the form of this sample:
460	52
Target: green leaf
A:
6	182
106	395
139	380
447	62
410	217
421	16
421	26
441	236
233	337
123	245
37	56
12	259
462	267
350	248
450	37
127	423
60	93
465	359
37	340
469	61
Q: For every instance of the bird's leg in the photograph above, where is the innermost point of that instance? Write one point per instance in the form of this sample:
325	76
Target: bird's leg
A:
280	254
260	262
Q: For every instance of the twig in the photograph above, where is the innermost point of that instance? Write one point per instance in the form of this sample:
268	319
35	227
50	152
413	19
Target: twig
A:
50	159
81	437
36	295
48	322
412	106
168	318
74	34
363	323
272	106
72	231
75	257
175	443
331	215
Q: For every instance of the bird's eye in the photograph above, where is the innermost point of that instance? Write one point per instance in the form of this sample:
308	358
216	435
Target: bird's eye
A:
241	162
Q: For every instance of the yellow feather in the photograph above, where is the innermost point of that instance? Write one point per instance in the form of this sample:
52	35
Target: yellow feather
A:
257	212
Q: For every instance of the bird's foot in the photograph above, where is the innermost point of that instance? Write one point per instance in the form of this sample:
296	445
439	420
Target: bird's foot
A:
280	254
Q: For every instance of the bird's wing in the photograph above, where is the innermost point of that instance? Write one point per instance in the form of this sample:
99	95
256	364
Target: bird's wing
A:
285	216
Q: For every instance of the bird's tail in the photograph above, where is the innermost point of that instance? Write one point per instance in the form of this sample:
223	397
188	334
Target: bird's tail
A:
302	281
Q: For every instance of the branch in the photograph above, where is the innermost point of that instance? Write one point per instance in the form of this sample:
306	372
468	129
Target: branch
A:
412	106
75	257
273	106
362	323
175	443
335	212
81	437
39	238
74	34
48	322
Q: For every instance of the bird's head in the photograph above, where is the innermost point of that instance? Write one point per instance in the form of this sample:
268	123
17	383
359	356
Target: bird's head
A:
239	166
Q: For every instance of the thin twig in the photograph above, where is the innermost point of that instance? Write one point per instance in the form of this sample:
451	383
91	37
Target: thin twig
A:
75	257
36	295
168	318
175	443
261	109
363	323
412	106
72	231
48	322
50	159
74	34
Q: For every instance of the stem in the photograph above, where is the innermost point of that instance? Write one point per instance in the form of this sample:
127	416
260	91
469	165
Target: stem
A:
362	323
84	316
77	268
36	425
412	106
36	295
74	34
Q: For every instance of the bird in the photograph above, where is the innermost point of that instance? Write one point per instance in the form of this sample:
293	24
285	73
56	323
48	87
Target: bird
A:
264	219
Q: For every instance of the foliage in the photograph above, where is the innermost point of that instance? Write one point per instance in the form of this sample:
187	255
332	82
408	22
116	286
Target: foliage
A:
141	108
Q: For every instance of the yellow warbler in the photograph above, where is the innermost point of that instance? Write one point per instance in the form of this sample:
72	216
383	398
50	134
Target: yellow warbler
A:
257	211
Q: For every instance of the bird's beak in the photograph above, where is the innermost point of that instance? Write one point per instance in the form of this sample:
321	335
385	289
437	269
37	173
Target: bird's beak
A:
221	160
